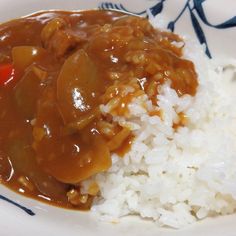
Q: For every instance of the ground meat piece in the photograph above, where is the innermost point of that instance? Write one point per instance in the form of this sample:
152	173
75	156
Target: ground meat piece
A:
58	37
61	42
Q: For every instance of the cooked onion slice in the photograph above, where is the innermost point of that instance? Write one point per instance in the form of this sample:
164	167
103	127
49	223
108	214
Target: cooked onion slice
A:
76	86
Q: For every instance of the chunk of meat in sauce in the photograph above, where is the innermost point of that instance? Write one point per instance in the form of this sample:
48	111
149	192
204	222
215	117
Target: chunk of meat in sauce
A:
57	37
52	132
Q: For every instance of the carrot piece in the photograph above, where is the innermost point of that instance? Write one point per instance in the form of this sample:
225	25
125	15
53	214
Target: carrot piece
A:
6	73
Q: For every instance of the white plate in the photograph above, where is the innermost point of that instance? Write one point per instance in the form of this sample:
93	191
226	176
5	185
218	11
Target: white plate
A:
211	28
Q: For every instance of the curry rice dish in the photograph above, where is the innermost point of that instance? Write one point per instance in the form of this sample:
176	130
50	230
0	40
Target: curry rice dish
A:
101	111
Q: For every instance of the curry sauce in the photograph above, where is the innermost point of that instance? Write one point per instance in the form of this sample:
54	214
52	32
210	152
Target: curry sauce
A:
56	69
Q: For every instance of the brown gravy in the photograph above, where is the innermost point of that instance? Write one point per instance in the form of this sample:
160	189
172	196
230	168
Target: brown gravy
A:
63	66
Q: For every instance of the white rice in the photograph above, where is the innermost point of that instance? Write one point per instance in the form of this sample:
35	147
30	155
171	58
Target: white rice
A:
177	177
